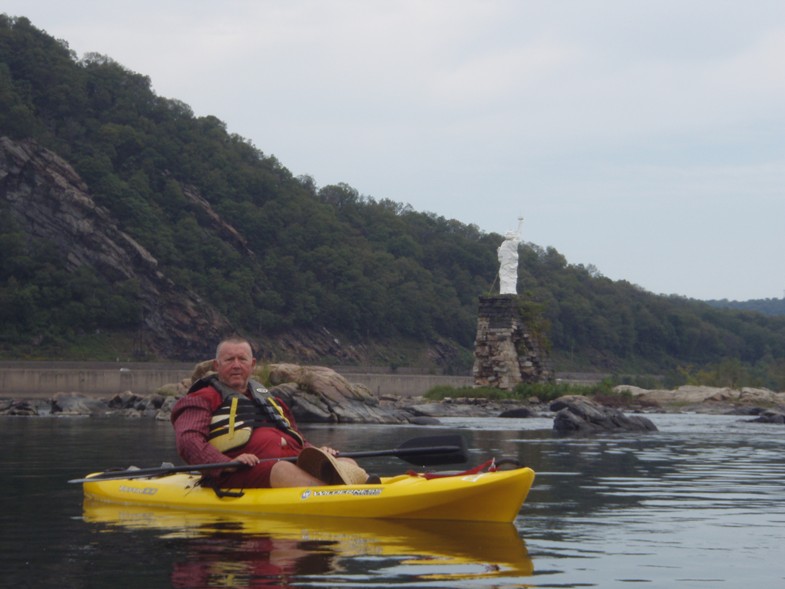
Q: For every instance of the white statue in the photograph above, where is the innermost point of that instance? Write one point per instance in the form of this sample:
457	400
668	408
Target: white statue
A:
508	261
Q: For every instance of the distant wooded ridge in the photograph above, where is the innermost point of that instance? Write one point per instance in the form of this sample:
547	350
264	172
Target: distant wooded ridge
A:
764	306
311	273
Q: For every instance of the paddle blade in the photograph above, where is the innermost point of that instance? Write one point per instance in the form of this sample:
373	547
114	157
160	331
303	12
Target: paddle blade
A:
433	450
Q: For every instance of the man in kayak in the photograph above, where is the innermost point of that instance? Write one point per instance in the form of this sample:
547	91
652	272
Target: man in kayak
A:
228	417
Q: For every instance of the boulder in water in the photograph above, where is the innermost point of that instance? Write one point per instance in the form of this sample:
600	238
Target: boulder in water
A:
579	415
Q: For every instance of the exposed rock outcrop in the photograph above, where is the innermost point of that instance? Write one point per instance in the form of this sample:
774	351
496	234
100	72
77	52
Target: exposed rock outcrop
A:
317	394
73	404
770	417
580	415
314	393
51	202
517	413
704	398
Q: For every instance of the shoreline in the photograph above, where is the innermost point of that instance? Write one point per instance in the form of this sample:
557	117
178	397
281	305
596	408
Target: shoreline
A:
686	399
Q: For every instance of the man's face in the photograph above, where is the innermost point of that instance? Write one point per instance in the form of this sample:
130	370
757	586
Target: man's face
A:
234	365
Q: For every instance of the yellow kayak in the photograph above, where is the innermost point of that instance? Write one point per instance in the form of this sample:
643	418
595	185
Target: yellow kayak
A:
488	496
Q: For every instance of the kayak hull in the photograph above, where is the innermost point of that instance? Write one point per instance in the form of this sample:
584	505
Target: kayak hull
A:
490	496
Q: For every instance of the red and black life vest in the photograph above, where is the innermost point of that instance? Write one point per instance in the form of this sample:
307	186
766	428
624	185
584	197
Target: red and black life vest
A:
238	415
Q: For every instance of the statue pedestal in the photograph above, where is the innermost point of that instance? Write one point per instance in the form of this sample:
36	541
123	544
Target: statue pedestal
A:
505	353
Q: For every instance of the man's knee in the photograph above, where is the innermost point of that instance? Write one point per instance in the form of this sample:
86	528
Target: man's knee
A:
287	474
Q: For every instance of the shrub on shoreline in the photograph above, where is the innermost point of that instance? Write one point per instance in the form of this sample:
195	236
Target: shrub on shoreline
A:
542	392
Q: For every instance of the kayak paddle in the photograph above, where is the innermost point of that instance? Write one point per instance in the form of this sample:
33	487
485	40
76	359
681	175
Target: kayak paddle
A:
423	451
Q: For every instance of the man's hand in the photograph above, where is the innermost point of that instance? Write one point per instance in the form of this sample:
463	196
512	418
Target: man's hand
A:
247	459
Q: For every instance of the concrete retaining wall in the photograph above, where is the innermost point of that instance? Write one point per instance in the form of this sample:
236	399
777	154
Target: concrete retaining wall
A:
44	382
43	379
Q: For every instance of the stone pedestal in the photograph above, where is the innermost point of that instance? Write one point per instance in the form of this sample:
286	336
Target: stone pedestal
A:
505	353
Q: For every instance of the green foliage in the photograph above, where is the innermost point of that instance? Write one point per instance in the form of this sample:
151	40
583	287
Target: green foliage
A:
43	299
775	307
732	373
274	252
602	392
548	391
106	346
542	392
441	392
262	374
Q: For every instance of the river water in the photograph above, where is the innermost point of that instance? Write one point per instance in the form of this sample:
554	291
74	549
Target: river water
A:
699	504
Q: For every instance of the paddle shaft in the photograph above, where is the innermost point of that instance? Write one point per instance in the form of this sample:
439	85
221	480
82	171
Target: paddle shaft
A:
428	450
450	453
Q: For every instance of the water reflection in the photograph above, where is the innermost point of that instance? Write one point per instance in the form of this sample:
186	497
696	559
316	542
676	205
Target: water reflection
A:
699	504
254	551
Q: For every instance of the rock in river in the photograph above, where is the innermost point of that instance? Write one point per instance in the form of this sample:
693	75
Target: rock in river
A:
579	415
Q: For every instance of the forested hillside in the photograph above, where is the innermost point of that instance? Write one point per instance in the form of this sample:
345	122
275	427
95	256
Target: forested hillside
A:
276	254
764	306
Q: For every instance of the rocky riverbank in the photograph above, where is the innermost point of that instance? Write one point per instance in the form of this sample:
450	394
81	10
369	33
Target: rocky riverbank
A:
320	395
703	399
685	399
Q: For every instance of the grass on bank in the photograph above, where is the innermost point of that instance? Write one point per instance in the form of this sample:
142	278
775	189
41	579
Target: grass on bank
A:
537	392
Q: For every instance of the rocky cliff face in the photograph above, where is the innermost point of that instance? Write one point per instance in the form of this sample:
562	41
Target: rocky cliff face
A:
50	202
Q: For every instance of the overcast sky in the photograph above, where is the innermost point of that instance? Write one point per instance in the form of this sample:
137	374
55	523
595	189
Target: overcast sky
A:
644	138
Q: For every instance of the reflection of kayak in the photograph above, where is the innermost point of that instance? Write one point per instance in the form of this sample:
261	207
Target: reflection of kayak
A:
490	549
489	496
